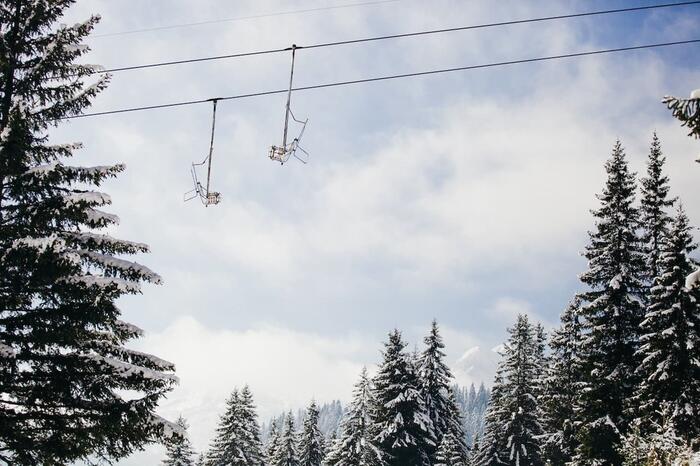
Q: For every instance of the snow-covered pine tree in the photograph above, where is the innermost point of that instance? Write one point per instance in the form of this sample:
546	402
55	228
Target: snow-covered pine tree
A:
252	446
355	446
561	388
63	361
201	460
405	433
688	112
286	453
610	315
653	214
453	444
522	429
492	446
311	446
273	440
435	379
670	390
227	448
179	451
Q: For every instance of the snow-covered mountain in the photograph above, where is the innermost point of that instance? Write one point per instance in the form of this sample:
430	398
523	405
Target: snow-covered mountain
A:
477	365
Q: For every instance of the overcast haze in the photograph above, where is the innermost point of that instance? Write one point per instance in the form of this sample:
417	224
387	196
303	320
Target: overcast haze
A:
462	197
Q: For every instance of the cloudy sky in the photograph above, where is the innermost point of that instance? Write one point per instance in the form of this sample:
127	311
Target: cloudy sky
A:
462	197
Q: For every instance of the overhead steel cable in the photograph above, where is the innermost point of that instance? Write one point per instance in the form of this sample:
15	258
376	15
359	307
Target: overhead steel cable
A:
400	36
390	77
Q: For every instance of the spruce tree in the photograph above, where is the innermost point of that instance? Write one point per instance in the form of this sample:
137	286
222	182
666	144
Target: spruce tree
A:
561	389
610	315
405	433
252	446
286	453
492	446
273	441
670	390
654	202
311	446
179	451
64	364
228	447
435	380
522	429
355	446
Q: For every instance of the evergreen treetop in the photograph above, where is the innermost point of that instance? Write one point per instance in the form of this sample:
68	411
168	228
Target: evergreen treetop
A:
64	363
179	451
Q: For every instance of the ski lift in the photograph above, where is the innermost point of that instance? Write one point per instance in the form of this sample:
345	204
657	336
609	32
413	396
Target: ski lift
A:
282	153
202	192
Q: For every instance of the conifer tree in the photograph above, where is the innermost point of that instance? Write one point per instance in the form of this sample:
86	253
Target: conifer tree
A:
670	390
405	433
522	429
252	446
311	446
231	446
610	315
654	202
64	364
561	389
491	448
273	441
435	380
179	451
201	460
355	446
454	438
286	452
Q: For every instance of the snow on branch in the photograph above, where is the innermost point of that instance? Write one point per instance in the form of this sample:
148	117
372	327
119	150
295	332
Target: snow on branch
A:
6	351
90	197
693	280
169	429
126	369
122	265
106	241
124	286
98	218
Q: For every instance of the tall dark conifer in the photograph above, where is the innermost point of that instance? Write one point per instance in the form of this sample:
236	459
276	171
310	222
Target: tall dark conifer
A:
670	390
285	453
611	312
654	204
561	389
522	430
179	451
491	447
311	446
405	432
435	381
355	445
64	363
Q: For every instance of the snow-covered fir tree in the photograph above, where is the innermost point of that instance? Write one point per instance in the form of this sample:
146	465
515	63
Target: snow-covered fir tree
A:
252	445
669	393
311	445
435	380
179	451
561	389
453	449
405	433
522	429
491	447
201	460
472	404
355	446
610	314
273	441
64	363
237	441
653	211
285	453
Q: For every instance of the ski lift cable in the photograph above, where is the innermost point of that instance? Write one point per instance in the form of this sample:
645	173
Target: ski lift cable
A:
398	36
389	77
